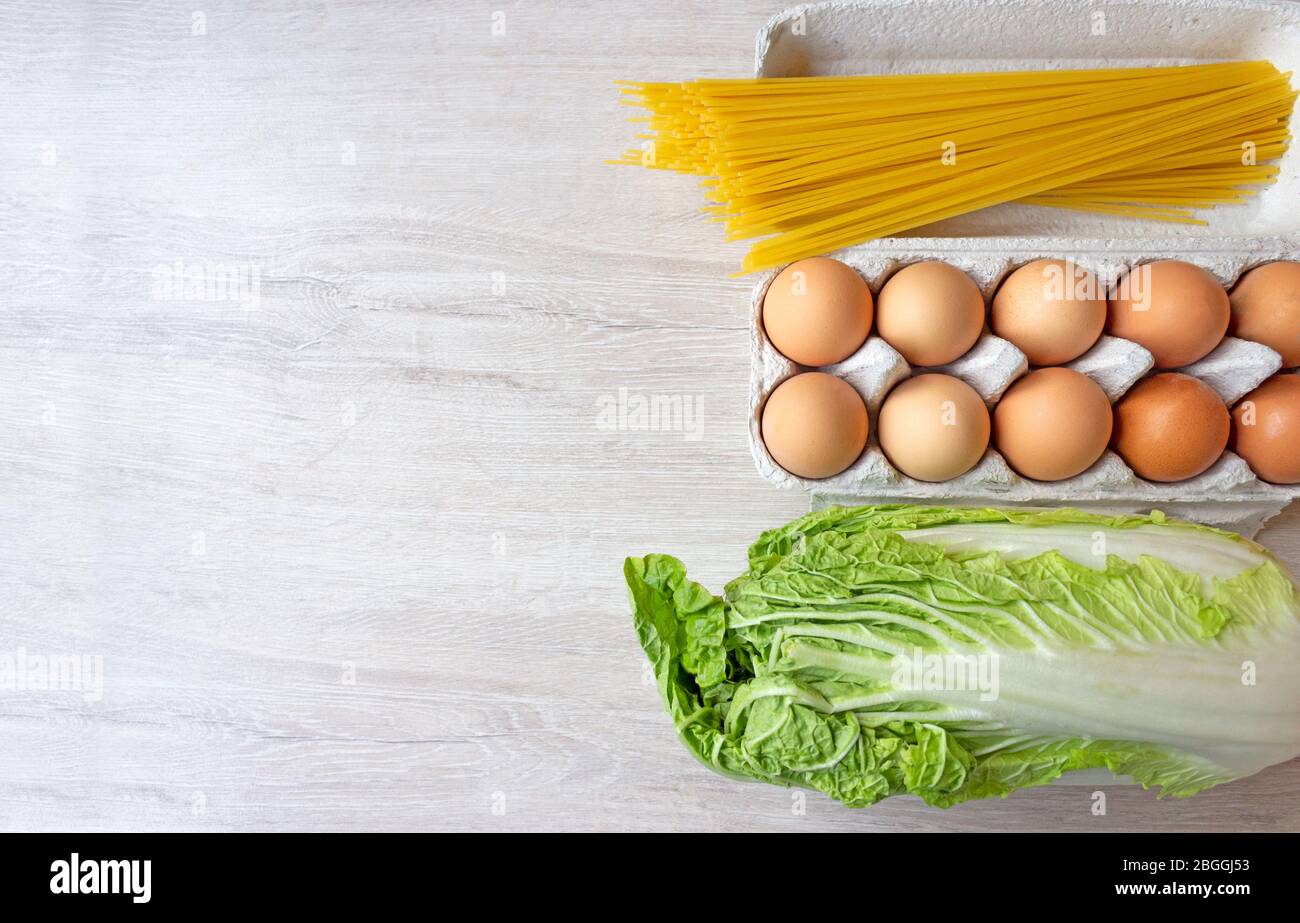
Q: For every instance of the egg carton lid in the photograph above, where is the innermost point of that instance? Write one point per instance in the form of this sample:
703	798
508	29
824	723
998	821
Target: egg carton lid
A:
937	36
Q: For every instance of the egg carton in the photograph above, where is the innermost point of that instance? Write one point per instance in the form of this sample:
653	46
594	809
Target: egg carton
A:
1234	368
926	36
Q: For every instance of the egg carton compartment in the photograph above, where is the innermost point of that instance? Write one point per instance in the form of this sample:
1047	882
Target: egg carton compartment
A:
935	36
1228	493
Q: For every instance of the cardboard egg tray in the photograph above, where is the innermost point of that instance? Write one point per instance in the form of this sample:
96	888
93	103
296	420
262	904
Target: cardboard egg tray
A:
920	36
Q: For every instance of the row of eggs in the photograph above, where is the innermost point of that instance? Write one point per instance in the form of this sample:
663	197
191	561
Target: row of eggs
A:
819	311
1053	423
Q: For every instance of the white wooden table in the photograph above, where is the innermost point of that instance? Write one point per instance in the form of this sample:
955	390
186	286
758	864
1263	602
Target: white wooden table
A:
350	549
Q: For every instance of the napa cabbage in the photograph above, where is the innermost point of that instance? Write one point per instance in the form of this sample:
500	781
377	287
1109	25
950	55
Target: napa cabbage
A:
955	654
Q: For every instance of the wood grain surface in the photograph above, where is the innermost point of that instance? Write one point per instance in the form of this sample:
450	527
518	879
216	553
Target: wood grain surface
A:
311	317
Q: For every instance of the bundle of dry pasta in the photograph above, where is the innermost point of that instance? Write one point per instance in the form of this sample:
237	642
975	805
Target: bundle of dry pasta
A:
812	164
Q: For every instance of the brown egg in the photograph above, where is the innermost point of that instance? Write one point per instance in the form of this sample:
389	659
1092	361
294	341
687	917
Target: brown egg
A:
1266	429
817	311
1170	427
1178	311
933	427
1052	424
930	312
1052	310
1266	309
814	425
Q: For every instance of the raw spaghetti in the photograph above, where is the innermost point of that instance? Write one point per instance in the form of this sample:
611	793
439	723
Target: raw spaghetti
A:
812	164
